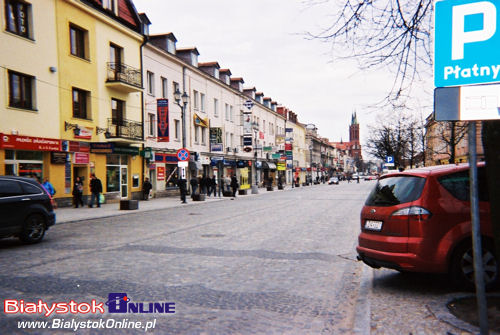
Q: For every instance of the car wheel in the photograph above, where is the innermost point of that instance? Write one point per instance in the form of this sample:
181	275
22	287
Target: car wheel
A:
462	270
34	229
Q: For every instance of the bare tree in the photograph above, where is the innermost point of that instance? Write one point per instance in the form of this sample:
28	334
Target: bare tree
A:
397	34
447	135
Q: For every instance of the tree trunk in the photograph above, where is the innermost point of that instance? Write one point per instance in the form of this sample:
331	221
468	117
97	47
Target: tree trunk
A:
491	140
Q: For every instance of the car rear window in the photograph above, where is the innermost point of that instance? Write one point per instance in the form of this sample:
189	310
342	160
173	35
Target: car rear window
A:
31	189
396	190
458	184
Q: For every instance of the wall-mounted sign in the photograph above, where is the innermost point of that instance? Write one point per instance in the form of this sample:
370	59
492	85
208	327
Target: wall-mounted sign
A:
29	143
58	157
162	115
81	158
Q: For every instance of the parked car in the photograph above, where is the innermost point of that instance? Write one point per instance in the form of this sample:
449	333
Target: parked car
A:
333	180
419	220
26	209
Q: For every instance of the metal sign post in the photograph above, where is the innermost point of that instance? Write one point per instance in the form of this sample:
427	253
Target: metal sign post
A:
476	232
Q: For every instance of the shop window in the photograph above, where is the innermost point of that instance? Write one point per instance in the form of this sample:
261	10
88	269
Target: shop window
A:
17	17
78	41
29	155
112	178
21	90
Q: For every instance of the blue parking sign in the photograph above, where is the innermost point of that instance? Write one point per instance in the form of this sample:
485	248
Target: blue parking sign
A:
466	42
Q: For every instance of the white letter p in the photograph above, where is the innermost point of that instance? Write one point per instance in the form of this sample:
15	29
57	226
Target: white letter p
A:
459	37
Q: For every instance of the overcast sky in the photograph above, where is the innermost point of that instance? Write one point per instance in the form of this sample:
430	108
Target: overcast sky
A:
263	42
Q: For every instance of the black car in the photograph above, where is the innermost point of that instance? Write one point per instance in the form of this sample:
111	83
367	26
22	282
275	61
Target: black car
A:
26	209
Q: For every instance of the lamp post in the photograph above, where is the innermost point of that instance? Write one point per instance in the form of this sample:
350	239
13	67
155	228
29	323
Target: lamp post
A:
310	163
182	174
255	127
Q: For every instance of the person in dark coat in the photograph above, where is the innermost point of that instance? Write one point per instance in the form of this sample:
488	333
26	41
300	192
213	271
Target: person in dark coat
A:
213	185
194	185
183	188
78	192
146	188
234	185
95	190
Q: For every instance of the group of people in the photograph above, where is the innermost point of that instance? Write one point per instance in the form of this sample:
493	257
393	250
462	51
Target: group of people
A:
95	187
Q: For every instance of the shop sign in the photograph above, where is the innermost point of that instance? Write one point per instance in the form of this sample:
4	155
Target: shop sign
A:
216	147
276	156
205	160
216	136
288	146
102	147
281	166
162	113
75	146
81	158
289	130
160	173
247	141
126	150
261	135
58	157
268	148
29	143
242	164
85	133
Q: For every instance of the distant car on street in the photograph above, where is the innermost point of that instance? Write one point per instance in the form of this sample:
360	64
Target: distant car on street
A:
370	177
419	220
26	209
333	180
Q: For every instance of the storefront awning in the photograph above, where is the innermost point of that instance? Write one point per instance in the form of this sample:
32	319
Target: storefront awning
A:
269	165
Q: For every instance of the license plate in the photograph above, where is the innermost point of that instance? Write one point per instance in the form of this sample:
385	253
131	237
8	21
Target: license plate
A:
373	225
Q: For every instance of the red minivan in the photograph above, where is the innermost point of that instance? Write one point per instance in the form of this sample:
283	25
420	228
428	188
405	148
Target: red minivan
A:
419	220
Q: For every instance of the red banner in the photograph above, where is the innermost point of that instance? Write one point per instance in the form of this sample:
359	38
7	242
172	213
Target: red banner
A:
29	143
160	173
162	115
81	158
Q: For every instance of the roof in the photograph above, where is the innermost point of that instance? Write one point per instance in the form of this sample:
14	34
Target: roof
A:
209	64
237	79
189	49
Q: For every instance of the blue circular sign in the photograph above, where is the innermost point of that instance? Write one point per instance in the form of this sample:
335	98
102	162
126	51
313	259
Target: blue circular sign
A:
183	154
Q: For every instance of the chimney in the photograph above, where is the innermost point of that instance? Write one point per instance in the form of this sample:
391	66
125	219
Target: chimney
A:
210	68
259	96
237	83
165	42
189	55
225	76
250	92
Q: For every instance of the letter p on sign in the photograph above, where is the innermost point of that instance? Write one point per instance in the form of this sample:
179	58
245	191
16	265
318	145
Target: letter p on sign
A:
460	37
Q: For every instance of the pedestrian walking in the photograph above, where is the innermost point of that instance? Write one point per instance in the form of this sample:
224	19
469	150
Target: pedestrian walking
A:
146	188
95	186
213	185
183	188
204	184
48	186
234	185
78	192
194	185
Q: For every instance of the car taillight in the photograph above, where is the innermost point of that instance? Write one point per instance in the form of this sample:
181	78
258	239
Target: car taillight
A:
413	213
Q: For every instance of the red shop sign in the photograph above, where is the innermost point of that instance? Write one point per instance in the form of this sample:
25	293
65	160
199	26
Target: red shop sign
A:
81	158
29	143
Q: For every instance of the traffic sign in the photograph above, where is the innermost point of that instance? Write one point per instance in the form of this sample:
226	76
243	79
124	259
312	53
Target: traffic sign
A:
466	42
183	154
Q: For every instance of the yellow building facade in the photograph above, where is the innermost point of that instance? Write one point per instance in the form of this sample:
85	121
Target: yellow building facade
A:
72	102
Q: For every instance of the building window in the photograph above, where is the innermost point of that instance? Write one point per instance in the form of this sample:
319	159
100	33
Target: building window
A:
203	135
227	111
216	108
21	90
175	86
196	134
196	101
202	102
263	126
231	114
151	83
80	103
117	111
109	5
152	124
17	17
77	38
164	88
176	129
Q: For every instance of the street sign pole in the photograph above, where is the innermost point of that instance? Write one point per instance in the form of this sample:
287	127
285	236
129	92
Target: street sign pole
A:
476	232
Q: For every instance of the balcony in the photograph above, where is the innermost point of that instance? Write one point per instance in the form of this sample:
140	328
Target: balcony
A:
124	129
124	78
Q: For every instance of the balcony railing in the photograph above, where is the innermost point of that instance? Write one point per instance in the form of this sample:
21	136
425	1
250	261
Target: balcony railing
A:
123	73
120	128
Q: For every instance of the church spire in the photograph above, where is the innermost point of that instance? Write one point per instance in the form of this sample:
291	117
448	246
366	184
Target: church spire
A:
354	119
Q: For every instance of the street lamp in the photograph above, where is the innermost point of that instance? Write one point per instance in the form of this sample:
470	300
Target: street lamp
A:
184	97
255	127
310	163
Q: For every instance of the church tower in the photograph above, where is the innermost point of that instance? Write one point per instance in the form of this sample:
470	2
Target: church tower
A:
355	146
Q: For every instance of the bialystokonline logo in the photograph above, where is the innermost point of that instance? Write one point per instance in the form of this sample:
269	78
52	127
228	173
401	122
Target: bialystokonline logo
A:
117	303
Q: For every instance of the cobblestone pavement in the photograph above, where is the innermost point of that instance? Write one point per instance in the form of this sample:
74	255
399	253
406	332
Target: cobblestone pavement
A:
276	263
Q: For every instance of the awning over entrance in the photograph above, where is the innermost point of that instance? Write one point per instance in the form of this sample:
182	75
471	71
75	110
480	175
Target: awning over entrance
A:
268	165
